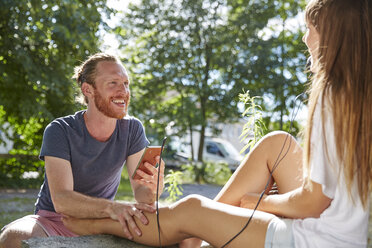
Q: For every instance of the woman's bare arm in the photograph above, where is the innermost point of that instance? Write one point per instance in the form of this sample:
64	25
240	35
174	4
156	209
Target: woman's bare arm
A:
300	203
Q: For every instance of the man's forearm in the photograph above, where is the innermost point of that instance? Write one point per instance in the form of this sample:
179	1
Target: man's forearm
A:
77	205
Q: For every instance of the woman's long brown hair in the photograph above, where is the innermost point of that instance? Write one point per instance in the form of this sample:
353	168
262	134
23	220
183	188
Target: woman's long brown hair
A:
343	79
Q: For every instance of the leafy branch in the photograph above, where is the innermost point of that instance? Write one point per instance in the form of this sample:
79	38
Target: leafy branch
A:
174	181
253	129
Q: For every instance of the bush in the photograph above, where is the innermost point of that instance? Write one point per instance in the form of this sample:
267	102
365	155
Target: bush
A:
217	173
206	172
173	181
13	168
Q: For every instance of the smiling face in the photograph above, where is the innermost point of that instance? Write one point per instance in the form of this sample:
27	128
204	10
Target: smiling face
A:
311	39
111	92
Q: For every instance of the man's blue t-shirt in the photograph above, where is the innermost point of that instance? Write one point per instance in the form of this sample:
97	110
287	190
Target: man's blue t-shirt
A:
96	166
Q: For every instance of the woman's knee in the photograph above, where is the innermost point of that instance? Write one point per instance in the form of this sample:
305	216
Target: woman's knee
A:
276	136
278	140
189	203
185	212
278	144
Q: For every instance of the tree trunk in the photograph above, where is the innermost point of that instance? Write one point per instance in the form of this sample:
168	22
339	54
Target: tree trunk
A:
201	143
203	102
191	143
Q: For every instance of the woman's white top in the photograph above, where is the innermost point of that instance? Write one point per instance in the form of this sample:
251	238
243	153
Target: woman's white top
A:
344	223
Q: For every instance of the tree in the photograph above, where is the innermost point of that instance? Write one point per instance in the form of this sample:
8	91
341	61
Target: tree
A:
175	60
190	59
272	61
40	43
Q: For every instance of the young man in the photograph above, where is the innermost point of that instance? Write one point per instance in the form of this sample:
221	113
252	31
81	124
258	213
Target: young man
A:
84	154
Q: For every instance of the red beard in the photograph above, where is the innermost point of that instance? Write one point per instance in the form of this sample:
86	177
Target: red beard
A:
103	105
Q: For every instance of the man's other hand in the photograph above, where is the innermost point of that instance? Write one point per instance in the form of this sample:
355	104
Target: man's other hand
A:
150	179
125	213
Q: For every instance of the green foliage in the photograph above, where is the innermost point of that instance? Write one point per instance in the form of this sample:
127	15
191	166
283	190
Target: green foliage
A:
206	172
254	124
40	43
217	173
271	61
20	183
180	56
194	171
189	66
188	172
173	180
125	192
13	168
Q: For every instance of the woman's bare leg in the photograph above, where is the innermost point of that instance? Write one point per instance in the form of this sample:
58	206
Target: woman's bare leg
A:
193	216
254	172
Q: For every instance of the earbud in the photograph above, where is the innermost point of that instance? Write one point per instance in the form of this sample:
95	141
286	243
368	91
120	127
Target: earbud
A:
309	61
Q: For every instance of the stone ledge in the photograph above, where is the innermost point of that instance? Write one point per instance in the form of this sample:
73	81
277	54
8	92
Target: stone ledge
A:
92	241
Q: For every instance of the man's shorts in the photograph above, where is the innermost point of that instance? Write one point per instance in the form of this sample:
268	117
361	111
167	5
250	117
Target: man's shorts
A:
279	234
50	222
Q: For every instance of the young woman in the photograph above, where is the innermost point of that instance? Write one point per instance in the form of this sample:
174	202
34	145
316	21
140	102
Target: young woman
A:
321	204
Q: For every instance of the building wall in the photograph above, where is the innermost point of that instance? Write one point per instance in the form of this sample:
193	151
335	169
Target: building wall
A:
6	145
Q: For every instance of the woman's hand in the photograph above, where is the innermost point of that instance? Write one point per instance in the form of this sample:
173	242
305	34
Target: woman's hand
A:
249	200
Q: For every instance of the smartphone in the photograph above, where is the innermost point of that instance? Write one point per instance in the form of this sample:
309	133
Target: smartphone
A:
149	156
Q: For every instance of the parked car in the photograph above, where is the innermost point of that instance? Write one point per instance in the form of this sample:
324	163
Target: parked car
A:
215	150
220	150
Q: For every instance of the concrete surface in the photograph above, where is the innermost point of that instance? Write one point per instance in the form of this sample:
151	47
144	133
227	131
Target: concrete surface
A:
94	241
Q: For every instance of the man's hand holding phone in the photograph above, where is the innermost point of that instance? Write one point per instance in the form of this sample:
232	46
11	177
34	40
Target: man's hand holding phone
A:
146	172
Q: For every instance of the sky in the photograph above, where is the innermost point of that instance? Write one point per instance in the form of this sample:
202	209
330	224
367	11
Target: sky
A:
119	4
110	43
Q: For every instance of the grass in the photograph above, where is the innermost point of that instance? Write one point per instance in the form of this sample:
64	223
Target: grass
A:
125	189
14	208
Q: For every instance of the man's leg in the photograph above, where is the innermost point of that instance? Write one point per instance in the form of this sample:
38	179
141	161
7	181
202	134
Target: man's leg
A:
13	235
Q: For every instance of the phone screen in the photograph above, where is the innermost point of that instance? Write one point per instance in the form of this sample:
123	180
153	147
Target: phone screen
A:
149	156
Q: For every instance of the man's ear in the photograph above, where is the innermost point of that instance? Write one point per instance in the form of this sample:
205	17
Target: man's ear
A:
87	90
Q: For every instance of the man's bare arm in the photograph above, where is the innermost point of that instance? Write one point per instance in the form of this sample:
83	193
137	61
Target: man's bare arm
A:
69	202
65	199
